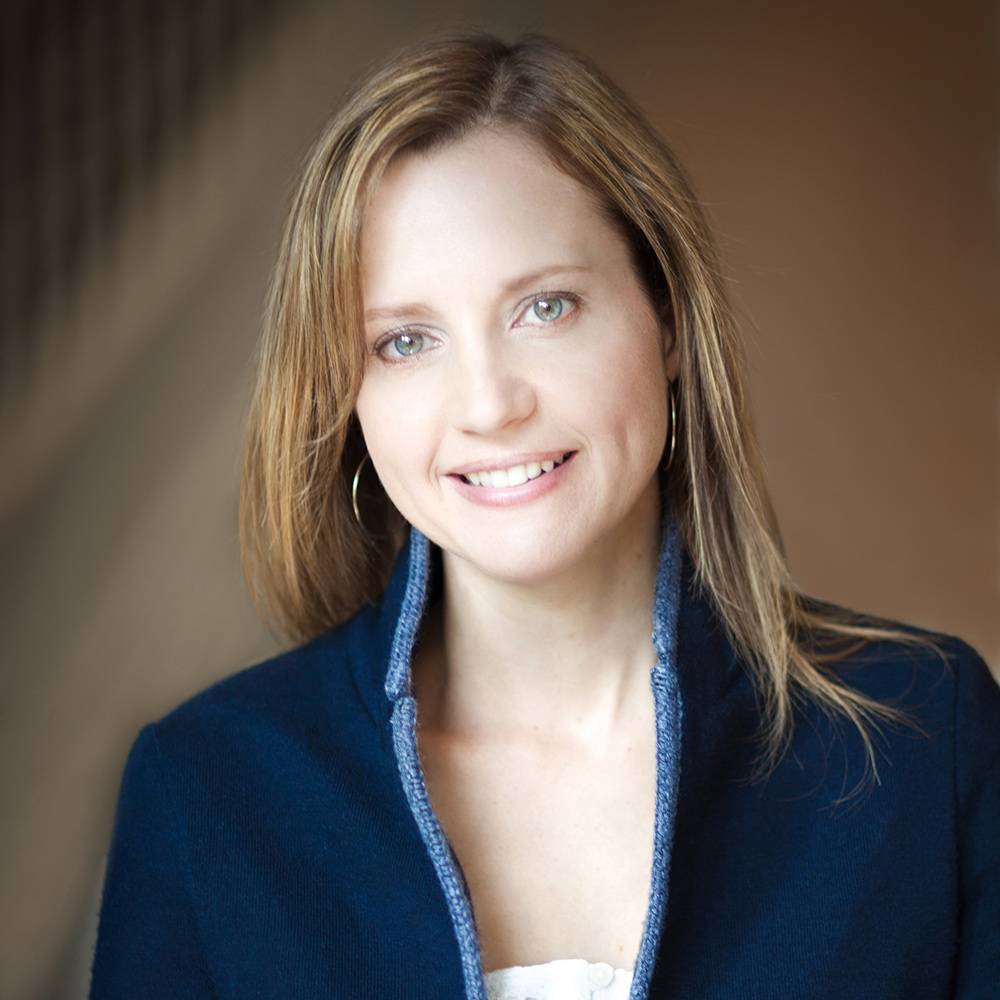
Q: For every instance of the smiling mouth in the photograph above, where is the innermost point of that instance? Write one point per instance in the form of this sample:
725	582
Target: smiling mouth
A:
516	475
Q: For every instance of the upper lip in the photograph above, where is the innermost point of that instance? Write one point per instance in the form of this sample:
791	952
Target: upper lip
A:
520	458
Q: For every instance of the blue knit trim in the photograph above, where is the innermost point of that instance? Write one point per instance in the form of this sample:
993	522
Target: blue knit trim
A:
411	611
404	741
669	717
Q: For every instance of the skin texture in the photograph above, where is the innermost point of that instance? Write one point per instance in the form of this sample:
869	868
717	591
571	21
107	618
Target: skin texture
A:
532	673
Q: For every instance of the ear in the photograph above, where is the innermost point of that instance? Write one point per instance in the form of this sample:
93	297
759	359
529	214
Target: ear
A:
671	345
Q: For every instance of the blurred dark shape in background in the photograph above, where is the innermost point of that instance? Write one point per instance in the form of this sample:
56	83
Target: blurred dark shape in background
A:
96	98
96	95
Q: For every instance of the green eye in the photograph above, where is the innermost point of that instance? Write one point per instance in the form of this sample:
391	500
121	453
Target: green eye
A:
407	343
548	309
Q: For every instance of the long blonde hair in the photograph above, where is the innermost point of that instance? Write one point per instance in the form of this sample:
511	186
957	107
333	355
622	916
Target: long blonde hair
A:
311	566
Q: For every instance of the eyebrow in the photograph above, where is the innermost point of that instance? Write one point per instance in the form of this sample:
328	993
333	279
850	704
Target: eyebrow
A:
412	308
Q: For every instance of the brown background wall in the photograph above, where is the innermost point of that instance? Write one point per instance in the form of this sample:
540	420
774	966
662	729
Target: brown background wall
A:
849	164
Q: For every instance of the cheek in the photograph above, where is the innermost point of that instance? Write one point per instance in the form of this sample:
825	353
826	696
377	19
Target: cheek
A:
629	362
396	425
367	401
636	398
379	425
629	391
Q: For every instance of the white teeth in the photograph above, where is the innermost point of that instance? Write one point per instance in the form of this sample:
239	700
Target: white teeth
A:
514	476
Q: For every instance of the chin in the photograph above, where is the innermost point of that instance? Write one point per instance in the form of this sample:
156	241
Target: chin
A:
522	553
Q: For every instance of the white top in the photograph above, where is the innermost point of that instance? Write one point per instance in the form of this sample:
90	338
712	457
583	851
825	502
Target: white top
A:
560	979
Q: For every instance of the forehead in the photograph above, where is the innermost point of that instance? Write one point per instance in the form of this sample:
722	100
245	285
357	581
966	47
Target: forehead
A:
479	209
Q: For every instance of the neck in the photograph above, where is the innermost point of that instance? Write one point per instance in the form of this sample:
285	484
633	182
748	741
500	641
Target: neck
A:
569	657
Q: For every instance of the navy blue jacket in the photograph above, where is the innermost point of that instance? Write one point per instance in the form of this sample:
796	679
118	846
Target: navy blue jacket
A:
274	835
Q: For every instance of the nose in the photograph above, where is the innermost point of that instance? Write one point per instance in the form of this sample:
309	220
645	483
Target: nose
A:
489	389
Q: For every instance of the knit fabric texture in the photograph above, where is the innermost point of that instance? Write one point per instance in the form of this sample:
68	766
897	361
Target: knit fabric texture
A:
274	837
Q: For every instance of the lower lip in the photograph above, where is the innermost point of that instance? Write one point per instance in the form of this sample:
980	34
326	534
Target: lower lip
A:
509	496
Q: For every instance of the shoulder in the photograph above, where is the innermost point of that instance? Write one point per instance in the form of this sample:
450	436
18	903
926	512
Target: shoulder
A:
932	661
947	722
321	685
941	682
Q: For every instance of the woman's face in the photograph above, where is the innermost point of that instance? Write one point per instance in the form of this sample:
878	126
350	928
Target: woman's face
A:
504	322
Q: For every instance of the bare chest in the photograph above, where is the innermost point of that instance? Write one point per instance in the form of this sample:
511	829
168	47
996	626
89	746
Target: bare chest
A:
555	843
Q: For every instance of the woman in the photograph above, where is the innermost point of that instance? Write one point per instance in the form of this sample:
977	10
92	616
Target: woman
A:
500	430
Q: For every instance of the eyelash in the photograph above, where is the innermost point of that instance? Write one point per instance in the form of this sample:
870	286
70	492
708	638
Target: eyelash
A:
389	337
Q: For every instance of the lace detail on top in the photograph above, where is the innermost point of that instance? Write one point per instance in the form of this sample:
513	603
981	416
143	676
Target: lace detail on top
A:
560	979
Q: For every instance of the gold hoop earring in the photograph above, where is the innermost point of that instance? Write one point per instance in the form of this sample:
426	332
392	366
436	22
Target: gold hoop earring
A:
673	425
354	489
